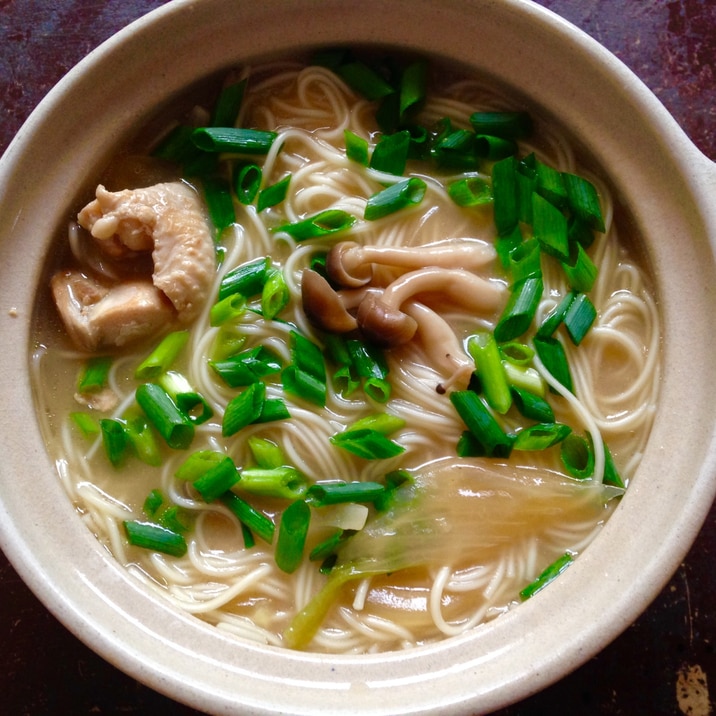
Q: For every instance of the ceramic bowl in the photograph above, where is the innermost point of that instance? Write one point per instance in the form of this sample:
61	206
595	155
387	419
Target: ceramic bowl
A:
668	186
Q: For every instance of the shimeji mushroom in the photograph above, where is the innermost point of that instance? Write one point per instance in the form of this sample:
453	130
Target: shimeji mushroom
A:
352	265
383	322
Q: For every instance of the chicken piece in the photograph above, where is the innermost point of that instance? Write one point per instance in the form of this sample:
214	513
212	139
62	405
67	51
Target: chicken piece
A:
97	316
169	219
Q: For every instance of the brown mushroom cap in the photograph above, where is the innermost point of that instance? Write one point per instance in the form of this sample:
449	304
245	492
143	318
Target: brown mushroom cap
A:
346	267
383	324
323	306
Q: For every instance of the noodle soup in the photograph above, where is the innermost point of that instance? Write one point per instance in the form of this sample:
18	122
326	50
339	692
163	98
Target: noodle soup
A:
341	498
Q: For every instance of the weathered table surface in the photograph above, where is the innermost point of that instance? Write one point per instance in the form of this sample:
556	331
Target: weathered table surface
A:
663	664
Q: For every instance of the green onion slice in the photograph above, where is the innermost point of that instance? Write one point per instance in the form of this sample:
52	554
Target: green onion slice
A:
549	575
531	405
334	493
233	140
510	125
219	202
357	148
409	192
162	357
390	154
247	279
577	456
541	436
367	443
504	192
579	318
486	354
583	200
93	376
155	537
282	481
292	532
219	478
521	307
325	223
248	515
244	409
114	439
172	424
481	424
550	227
275	295
247	182
470	191
274	194
552	354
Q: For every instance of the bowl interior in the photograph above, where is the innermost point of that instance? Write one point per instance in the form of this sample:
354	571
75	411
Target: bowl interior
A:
651	164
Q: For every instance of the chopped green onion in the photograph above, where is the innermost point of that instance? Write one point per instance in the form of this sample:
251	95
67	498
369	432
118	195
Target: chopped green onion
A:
504	192
229	340
541	436
247	279
335	493
521	307
228	309
93	376
283	481
162	357
171	519
153	501
248	515
356	148
155	538
494	148
247	367
234	140
611	474
87	425
141	437
507	244
510	125
525	186
579	318
532	405
470	191
549	574
369	364
247	182
274	194
486	354
266	452
385	423
217	479
304	385
188	400
275	295
525	261
219	202
580	270
273	409
577	456
551	353
525	378
556	317
391	153
325	223
367	443
197	464
327	547
171	423
481	424
456	149
550	185
114	439
244	409
580	232
550	227
364	80
583	200
292	532
306	376
517	353
413	86
401	195
228	104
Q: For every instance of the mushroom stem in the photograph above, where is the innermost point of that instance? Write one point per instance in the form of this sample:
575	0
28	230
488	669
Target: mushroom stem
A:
445	352
456	285
350	264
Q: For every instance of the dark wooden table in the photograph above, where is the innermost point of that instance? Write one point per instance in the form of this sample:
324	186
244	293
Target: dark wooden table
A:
663	664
